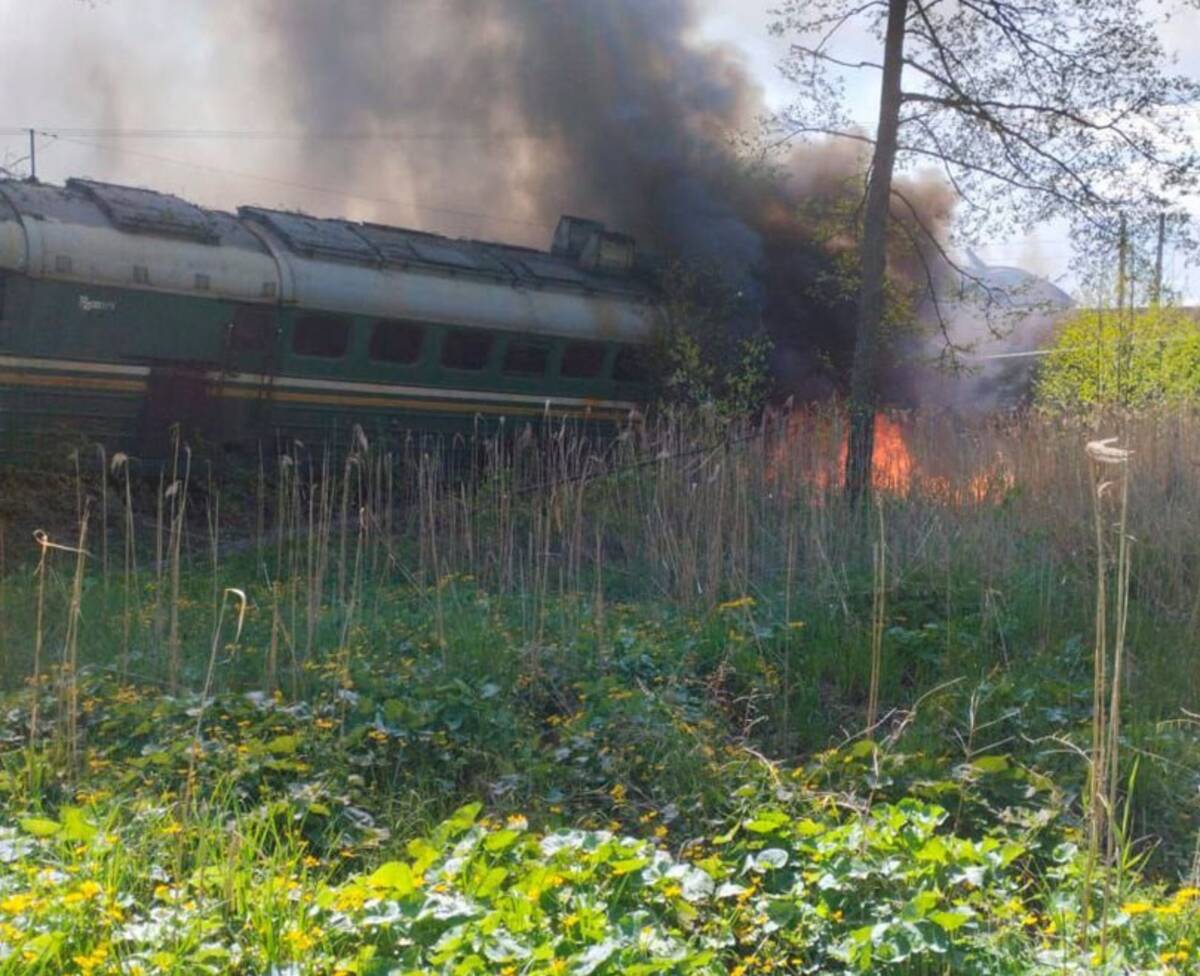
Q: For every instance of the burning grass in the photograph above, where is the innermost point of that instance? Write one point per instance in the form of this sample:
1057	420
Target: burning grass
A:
658	659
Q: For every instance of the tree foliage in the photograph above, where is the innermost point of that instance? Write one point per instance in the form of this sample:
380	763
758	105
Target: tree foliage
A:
1109	357
708	356
1031	109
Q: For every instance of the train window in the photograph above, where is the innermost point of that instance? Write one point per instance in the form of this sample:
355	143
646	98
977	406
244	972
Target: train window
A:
253	328
631	366
321	335
582	360
526	358
396	342
2	279
466	350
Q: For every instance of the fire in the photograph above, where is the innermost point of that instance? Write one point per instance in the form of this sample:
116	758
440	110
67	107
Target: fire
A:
807	453
891	462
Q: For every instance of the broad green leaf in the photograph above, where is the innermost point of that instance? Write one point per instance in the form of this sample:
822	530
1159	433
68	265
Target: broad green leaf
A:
491	881
921	904
949	921
1010	852
40	826
43	947
628	864
501	840
463	818
768	821
990	764
284	745
422	852
934	850
863	748
396	876
75	826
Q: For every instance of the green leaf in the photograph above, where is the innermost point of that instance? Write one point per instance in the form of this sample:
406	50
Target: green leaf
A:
863	748
396	876
949	921
463	818
934	850
921	904
284	745
75	826
768	821
628	864
990	764
501	840
422	852
491	881
40	827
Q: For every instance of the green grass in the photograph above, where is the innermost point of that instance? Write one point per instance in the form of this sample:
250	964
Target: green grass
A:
609	725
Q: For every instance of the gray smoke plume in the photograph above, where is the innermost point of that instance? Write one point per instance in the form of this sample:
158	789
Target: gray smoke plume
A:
476	118
603	109
597	108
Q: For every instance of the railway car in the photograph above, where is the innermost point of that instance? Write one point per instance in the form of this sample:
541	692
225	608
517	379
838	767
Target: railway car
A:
124	311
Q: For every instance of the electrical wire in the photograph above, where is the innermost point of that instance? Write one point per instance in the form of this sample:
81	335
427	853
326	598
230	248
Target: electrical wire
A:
291	184
267	135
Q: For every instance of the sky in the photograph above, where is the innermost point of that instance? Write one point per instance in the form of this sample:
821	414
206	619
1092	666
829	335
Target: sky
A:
197	65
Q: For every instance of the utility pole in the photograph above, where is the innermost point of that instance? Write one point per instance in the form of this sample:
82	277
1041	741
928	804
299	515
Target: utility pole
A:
1121	267
32	156
1158	258
1122	321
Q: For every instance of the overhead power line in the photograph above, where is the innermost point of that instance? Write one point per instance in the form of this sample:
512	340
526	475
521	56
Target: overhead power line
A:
293	135
291	184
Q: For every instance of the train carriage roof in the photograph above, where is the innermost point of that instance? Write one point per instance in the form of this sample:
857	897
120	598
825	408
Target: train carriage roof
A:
132	237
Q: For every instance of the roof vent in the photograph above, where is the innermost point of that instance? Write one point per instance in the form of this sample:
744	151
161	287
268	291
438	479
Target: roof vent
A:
571	234
608	253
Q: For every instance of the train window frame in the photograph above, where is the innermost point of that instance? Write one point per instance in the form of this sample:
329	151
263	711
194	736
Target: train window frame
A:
376	343
526	346
457	341
301	325
639	375
259	335
567	368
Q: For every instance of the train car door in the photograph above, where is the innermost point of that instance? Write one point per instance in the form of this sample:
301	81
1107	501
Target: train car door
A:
246	384
177	395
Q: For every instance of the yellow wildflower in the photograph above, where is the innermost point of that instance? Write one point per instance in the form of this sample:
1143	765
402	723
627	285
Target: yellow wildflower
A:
16	904
741	601
299	940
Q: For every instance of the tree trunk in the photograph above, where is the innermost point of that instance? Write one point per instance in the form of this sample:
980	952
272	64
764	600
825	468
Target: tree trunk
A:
874	260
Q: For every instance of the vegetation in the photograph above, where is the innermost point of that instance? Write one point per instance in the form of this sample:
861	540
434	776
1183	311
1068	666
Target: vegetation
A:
662	706
1109	357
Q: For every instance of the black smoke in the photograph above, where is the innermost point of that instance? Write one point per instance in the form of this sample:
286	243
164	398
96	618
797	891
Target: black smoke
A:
526	109
610	109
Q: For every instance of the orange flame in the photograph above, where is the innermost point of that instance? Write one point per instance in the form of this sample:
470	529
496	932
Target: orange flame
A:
893	468
891	463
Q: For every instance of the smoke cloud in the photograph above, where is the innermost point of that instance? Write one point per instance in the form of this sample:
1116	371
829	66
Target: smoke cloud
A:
608	110
489	119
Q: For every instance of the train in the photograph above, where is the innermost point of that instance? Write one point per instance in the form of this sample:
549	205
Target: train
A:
126	313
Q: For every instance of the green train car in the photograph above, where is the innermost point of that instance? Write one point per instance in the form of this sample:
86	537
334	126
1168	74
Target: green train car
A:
124	311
